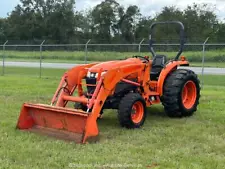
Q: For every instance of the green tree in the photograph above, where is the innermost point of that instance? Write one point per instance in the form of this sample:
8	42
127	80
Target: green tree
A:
105	19
220	33
26	20
39	19
128	23
107	22
59	19
84	26
200	21
143	27
3	29
168	33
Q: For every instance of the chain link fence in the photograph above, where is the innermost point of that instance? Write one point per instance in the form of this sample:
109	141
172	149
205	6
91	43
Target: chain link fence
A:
42	59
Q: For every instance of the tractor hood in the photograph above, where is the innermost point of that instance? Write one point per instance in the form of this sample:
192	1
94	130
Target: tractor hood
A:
105	66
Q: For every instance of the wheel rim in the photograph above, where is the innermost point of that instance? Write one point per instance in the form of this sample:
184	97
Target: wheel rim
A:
189	94
137	112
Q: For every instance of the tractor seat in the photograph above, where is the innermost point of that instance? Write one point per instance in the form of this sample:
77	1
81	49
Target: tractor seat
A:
158	63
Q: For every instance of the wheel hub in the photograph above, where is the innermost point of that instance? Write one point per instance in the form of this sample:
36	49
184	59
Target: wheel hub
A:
137	112
189	94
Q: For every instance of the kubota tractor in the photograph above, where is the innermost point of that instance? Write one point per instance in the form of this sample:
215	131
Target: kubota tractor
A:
128	85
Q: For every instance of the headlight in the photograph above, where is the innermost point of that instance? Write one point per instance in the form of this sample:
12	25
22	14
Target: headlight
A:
89	74
94	75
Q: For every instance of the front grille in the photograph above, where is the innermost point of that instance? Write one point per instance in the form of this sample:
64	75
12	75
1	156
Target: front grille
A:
90	81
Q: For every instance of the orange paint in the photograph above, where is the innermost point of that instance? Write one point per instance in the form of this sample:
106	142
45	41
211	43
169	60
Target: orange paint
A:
165	72
189	94
137	112
57	118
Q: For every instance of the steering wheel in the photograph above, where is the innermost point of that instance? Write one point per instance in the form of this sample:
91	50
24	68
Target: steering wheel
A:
142	58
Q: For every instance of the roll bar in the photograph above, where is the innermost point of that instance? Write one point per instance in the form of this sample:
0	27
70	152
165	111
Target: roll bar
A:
182	40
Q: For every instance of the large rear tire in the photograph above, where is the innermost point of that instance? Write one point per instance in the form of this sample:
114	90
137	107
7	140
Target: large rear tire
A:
181	93
132	111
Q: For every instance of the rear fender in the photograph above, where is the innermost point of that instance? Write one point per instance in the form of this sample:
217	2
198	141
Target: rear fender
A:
166	71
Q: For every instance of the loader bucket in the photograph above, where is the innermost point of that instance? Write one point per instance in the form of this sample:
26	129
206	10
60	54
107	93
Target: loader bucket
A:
59	122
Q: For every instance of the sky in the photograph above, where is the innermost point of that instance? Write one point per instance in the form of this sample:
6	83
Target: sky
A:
148	7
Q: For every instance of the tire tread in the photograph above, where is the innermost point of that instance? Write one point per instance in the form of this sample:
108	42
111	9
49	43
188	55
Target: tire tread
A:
173	85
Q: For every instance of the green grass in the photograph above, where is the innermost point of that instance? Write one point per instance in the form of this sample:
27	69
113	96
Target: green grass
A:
193	56
195	142
34	72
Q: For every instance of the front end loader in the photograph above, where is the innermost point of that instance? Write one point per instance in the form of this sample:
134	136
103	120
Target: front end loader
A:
130	86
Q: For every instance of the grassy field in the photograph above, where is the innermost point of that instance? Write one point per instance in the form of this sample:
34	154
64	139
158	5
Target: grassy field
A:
196	142
193	56
34	72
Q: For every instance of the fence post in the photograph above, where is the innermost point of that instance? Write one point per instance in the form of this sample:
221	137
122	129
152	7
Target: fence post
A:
139	47
203	61
3	58
41	49
86	50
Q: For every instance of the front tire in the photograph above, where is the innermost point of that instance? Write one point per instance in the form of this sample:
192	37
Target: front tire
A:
80	106
132	111
84	108
181	93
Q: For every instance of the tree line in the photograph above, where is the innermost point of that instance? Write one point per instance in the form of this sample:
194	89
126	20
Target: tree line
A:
58	21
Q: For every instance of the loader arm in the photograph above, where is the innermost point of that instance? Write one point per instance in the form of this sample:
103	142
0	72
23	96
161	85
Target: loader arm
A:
56	120
70	81
108	83
78	125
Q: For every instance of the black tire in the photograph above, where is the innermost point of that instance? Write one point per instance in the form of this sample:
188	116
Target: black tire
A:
125	111
172	93
80	106
84	108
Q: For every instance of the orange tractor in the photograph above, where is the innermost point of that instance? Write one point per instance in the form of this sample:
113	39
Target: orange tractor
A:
128	85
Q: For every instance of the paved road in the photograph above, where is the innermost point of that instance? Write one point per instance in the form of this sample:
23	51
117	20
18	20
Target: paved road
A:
198	70
37	65
208	71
